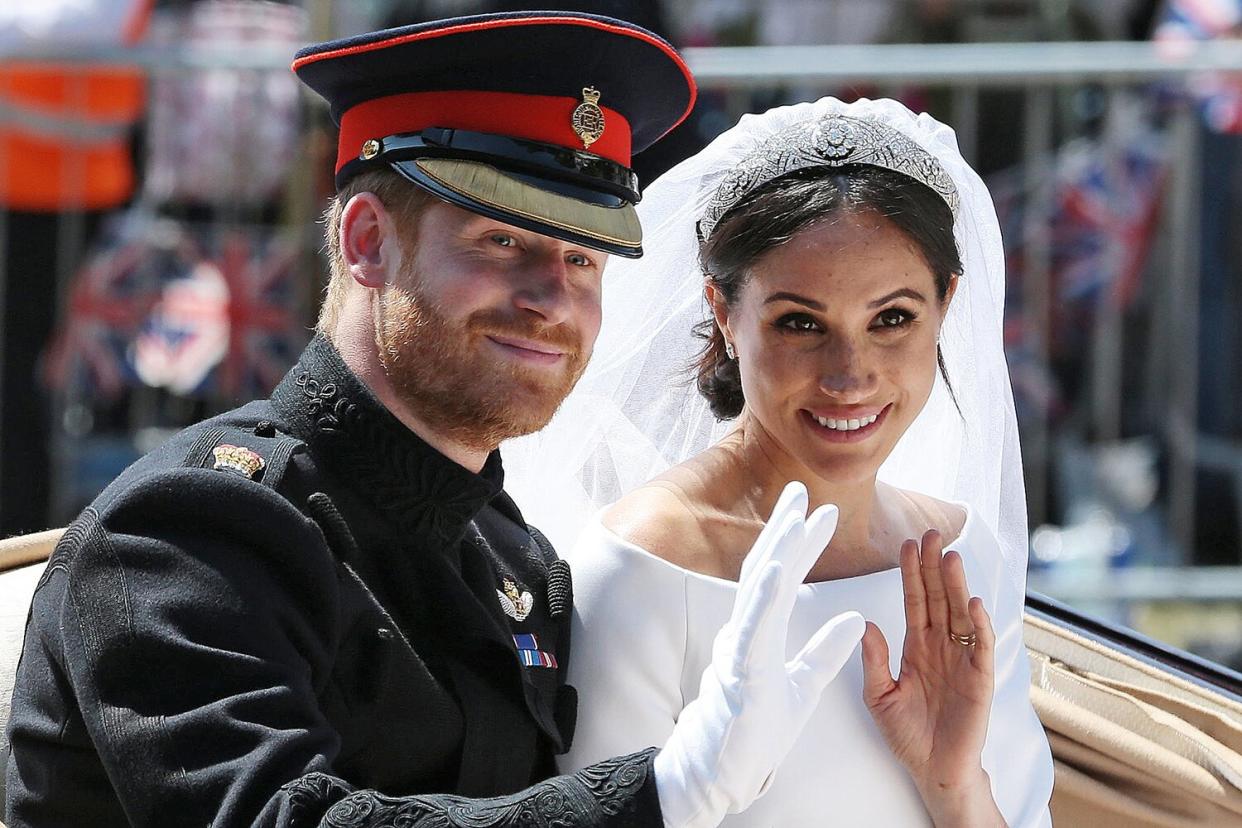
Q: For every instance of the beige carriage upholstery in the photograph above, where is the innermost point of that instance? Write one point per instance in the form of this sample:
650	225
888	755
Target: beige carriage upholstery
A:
1134	746
22	560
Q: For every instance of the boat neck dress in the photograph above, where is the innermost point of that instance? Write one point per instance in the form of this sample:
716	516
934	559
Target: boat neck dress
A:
642	636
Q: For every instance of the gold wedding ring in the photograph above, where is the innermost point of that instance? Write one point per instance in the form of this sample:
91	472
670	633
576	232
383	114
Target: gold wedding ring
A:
967	640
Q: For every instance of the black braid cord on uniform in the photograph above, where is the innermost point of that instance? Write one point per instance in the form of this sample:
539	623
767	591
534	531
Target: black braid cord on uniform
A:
560	589
335	529
603	794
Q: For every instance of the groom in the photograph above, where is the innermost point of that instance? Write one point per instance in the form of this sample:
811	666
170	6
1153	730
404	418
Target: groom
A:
317	597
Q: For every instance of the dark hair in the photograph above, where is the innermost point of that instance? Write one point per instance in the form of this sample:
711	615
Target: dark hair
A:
783	207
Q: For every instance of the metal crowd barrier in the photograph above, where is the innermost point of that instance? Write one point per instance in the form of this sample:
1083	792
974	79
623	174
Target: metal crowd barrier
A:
1039	72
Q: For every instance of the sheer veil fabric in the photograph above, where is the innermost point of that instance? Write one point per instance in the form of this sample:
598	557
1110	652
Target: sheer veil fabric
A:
636	411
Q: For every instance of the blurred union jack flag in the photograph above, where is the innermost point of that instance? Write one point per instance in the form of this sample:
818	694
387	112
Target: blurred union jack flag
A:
1096	227
1099	223
199	310
1183	23
266	329
108	300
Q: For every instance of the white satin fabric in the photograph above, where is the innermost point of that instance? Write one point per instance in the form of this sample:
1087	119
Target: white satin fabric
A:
642	636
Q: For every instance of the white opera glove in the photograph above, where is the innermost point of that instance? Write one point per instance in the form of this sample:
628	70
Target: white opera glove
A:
752	704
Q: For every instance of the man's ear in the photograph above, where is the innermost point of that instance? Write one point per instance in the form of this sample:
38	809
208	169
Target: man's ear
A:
368	242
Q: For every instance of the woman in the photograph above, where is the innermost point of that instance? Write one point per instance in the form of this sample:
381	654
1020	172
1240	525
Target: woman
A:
854	280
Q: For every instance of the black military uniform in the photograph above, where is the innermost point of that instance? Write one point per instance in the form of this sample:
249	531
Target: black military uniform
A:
210	643
299	613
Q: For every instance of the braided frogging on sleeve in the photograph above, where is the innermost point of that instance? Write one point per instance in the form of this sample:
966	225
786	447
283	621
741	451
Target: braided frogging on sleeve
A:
617	793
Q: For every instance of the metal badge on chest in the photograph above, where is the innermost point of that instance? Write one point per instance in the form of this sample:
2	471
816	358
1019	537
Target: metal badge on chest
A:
516	601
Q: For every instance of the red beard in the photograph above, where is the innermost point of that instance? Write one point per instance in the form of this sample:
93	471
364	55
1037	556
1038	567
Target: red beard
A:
446	373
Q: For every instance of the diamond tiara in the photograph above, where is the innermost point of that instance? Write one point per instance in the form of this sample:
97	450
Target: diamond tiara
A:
828	141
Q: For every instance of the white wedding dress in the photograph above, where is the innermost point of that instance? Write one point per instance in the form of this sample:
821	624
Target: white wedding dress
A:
642	636
644	628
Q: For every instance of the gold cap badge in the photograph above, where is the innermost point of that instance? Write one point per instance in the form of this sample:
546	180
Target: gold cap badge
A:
370	149
588	118
237	459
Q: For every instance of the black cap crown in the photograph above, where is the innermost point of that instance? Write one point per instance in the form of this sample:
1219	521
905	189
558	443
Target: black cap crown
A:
531	118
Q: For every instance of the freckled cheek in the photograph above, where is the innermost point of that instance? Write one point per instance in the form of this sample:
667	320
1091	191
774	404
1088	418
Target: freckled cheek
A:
913	372
772	376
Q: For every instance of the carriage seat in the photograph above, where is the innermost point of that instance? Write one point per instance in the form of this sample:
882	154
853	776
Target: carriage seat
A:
22	560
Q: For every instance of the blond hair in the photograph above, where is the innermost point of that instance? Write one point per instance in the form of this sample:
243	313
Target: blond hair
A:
402	198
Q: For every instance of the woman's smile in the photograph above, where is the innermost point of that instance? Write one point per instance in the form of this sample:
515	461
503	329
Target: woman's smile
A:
847	427
835	335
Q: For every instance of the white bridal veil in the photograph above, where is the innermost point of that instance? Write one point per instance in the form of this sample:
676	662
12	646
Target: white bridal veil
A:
636	411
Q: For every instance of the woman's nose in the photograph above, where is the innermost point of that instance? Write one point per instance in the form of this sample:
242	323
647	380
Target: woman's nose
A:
847	374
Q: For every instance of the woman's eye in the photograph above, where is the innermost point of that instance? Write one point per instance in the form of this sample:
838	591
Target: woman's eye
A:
798	322
893	318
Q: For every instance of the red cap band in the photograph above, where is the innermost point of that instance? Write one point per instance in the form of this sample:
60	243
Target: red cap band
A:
532	117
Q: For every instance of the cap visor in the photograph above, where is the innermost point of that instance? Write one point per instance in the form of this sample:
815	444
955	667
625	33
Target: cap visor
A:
485	189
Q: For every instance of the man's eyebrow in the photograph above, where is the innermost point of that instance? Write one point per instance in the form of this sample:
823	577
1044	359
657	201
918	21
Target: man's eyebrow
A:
793	297
908	293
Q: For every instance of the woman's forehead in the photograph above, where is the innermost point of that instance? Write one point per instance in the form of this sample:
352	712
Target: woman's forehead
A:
854	253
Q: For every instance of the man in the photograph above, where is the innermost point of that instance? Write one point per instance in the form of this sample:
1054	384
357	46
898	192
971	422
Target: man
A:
318	597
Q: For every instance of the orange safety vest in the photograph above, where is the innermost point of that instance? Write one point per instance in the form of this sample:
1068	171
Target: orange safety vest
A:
64	130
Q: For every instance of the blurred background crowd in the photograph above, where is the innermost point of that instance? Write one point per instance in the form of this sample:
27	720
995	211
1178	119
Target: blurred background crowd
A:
162	176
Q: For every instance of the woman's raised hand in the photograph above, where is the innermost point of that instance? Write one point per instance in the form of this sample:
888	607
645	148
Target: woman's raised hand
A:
752	703
934	716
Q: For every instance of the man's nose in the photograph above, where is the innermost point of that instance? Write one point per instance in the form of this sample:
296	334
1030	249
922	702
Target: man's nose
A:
846	374
543	288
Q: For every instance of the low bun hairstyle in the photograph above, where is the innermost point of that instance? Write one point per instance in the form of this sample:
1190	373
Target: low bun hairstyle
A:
783	207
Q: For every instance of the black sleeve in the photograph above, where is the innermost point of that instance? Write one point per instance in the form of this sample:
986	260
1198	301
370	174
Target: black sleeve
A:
194	621
617	793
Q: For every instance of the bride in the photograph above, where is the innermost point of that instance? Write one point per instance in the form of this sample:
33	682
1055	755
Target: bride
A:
842	269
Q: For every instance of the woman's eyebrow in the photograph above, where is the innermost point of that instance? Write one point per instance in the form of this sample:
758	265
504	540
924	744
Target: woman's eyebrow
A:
908	293
793	297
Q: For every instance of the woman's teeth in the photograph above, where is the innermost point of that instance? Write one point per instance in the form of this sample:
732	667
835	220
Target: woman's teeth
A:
845	425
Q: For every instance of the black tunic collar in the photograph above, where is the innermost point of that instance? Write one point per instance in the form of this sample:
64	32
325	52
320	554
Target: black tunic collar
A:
419	489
